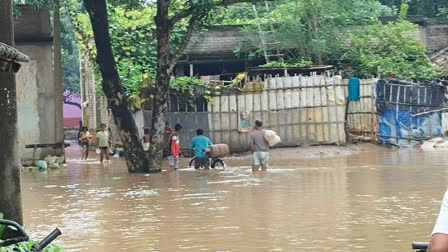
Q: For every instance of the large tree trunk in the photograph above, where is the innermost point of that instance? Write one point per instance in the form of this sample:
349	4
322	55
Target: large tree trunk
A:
136	159
59	116
10	199
160	101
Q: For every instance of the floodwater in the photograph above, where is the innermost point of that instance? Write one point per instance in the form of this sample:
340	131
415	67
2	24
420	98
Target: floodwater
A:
379	200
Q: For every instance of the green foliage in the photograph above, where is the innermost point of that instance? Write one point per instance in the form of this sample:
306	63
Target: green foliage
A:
26	246
193	87
443	12
70	54
404	8
132	37
37	4
301	63
186	84
2	228
233	15
134	45
315	30
275	64
428	8
393	48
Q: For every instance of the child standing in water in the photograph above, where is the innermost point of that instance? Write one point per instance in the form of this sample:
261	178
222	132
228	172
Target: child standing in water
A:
103	142
85	141
174	148
146	140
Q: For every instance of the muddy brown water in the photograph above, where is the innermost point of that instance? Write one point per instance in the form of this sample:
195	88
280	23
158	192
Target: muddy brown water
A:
379	200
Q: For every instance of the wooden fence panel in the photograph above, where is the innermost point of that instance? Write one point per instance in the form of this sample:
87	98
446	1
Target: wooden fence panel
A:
362	118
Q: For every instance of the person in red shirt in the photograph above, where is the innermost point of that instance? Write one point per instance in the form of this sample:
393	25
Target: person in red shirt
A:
174	148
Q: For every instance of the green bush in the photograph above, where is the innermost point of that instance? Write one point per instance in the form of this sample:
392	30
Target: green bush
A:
392	48
301	63
26	246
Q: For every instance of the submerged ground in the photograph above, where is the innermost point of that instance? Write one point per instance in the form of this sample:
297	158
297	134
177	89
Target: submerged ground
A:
354	198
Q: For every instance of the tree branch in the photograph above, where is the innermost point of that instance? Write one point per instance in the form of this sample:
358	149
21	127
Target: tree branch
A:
74	104
192	27
230	2
67	99
181	15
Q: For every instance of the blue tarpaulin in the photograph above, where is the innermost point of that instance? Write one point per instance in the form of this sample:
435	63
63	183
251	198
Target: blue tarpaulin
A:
405	112
353	89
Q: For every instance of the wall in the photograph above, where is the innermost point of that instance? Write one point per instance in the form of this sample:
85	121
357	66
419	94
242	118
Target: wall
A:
362	118
27	107
436	37
35	82
302	110
44	114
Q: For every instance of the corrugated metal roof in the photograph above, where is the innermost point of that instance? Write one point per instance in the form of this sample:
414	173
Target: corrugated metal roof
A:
216	41
10	53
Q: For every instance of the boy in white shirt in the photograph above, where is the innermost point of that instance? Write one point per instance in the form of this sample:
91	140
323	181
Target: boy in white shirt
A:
103	142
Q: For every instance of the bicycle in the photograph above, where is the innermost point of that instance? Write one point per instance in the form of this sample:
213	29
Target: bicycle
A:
216	163
420	246
24	237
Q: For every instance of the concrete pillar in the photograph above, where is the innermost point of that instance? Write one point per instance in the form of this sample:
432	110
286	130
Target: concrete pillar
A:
10	188
57	61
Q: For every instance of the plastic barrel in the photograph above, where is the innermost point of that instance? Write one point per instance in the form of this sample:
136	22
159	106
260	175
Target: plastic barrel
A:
219	150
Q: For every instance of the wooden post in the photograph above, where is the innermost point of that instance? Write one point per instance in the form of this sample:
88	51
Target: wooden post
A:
34	153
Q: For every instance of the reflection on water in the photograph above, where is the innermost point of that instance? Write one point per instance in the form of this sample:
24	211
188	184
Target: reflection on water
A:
376	201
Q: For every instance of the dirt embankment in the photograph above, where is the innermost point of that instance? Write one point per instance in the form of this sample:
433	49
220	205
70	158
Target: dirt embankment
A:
311	152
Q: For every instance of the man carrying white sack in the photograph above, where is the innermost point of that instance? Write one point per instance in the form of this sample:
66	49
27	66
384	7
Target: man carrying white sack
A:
259	147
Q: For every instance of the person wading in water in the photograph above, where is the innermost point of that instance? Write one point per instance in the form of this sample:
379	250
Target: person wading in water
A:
103	142
259	147
84	139
174	148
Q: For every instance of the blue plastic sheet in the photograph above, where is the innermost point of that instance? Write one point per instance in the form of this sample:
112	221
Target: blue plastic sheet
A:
400	129
353	89
400	107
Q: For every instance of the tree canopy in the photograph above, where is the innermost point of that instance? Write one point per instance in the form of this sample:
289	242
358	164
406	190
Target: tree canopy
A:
393	49
428	8
305	30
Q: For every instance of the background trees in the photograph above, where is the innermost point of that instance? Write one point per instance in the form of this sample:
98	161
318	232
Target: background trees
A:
170	17
315	30
148	37
428	8
392	48
342	33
